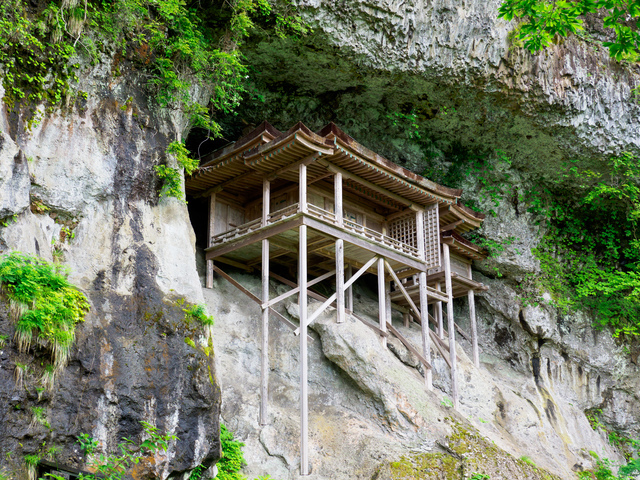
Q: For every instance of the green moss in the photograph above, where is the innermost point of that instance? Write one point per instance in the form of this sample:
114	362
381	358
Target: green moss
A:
467	453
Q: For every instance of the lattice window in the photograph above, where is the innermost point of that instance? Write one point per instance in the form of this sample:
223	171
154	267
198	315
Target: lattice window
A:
432	236
403	229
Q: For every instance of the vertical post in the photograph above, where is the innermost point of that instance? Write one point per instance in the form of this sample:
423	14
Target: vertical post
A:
438	312
424	319
474	326
406	318
350	289
211	230
302	188
340	279
424	299
264	353
266	201
451	325
338	208
382	310
387	299
302	301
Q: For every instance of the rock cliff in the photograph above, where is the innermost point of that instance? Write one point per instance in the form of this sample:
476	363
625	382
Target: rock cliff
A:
423	83
80	187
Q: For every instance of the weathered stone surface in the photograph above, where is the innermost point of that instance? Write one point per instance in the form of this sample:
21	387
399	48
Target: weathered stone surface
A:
362	395
94	200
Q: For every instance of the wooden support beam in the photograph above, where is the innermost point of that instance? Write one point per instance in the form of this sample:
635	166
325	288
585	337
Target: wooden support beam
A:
451	326
233	263
438	312
254	298
266	201
264	352
305	161
340	279
451	226
474	329
410	347
406	318
426	340
210	231
302	302
381	300
338	209
297	289
334	296
311	294
349	302
363	270
302	189
402	289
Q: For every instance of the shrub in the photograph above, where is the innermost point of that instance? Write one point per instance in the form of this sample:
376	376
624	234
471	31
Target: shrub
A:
46	308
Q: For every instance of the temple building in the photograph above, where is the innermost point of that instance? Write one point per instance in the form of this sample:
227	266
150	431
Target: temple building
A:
304	207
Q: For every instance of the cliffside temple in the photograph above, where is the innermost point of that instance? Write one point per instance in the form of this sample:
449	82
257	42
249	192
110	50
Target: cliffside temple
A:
319	206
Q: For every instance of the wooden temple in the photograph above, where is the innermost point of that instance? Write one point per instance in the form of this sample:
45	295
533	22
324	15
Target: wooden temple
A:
320	207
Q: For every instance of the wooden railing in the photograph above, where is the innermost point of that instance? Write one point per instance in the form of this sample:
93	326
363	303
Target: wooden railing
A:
320	214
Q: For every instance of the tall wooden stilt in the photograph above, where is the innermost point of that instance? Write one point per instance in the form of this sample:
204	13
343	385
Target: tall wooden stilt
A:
451	326
264	360
210	233
382	309
302	301
338	206
474	326
387	300
424	299
424	319
406	318
349	290
340	279
438	312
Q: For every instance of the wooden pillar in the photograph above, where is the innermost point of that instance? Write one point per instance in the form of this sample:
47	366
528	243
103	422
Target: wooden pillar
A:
264	353
340	279
266	201
211	230
474	326
424	319
406	318
451	326
302	301
382	309
302	188
349	292
424	299
438	312
387	299
338	207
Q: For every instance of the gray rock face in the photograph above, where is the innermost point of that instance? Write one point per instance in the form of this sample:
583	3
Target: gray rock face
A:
364	399
88	194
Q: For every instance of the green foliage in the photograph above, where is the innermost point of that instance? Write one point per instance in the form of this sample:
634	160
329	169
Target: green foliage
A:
590	255
199	314
39	416
118	466
31	462
45	306
527	460
543	20
446	402
232	459
172	177
3	340
479	476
